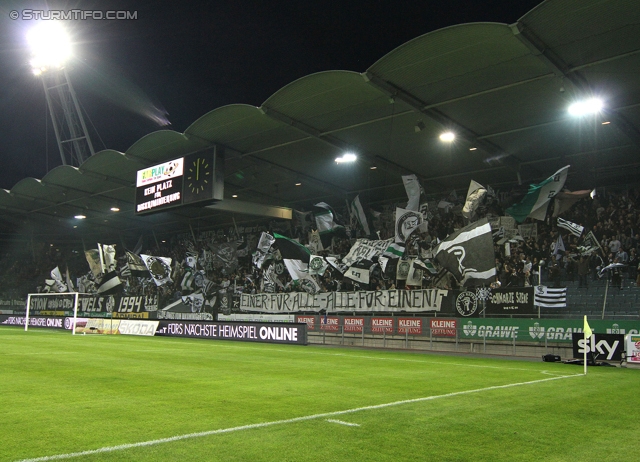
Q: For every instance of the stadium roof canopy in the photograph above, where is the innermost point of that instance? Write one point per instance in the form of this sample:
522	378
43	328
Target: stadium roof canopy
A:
502	89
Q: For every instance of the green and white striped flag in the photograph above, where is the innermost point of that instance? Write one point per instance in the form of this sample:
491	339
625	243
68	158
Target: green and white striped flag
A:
537	199
394	250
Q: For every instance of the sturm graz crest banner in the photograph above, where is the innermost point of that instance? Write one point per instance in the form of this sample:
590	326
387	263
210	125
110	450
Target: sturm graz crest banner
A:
159	268
467	304
317	265
407	221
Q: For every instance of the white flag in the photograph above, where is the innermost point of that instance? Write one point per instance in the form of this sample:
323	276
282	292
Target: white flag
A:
474	196
412	186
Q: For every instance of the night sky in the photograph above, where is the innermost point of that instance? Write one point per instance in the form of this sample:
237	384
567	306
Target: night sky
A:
179	60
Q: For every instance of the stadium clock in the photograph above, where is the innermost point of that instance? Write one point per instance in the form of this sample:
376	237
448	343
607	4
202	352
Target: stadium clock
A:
199	174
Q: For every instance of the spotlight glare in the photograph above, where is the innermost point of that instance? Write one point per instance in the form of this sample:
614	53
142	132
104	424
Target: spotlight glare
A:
298	184
448	137
235	195
473	149
347	157
585	107
50	46
115	209
80	217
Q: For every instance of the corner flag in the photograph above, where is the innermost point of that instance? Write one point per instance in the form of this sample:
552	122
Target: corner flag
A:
587	330
587	334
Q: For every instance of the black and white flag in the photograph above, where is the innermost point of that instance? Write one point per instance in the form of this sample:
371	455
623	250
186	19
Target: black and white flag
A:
225	256
94	258
548	297
296	258
136	265
110	283
407	221
573	228
468	254
266	240
414	278
59	286
326	224
159	268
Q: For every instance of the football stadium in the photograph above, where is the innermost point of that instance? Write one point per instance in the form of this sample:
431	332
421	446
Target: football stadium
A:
434	257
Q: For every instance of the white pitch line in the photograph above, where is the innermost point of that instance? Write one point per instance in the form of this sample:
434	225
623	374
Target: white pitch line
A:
122	447
348	424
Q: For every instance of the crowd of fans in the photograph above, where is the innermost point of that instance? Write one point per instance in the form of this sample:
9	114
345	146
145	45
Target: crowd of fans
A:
613	218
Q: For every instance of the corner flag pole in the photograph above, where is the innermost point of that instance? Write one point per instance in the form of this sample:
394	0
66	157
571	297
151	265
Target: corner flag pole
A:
587	334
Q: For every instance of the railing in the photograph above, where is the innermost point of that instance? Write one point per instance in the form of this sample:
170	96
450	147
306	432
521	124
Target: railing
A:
519	344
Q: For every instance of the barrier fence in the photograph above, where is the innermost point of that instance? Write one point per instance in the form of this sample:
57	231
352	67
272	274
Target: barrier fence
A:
491	337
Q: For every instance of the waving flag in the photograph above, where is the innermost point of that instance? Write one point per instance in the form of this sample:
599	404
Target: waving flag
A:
413	189
573	228
537	199
326	224
474	196
468	254
296	258
361	217
407	221
159	268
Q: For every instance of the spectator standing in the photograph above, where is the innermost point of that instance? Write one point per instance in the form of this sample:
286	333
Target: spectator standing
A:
583	272
616	276
633	265
614	245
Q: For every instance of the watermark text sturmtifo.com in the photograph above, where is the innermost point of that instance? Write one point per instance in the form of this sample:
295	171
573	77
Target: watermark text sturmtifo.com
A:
62	15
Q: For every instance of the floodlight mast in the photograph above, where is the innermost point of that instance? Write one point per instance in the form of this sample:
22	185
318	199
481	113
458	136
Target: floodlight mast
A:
51	49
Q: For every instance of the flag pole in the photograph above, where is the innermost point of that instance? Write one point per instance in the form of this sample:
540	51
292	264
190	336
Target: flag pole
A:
539	283
606	290
585	354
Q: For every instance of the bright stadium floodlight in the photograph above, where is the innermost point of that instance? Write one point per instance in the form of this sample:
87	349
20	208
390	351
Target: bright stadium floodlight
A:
346	158
50	46
50	50
447	137
586	107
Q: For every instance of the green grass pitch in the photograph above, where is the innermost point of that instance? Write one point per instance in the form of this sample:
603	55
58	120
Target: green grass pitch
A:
91	398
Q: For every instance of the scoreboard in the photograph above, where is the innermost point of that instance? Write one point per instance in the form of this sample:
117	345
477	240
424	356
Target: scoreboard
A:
195	178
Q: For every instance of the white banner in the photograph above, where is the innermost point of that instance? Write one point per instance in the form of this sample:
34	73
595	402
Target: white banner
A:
257	317
135	327
528	230
365	249
367	301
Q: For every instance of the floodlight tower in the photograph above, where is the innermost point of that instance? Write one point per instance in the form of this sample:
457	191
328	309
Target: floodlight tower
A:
51	49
